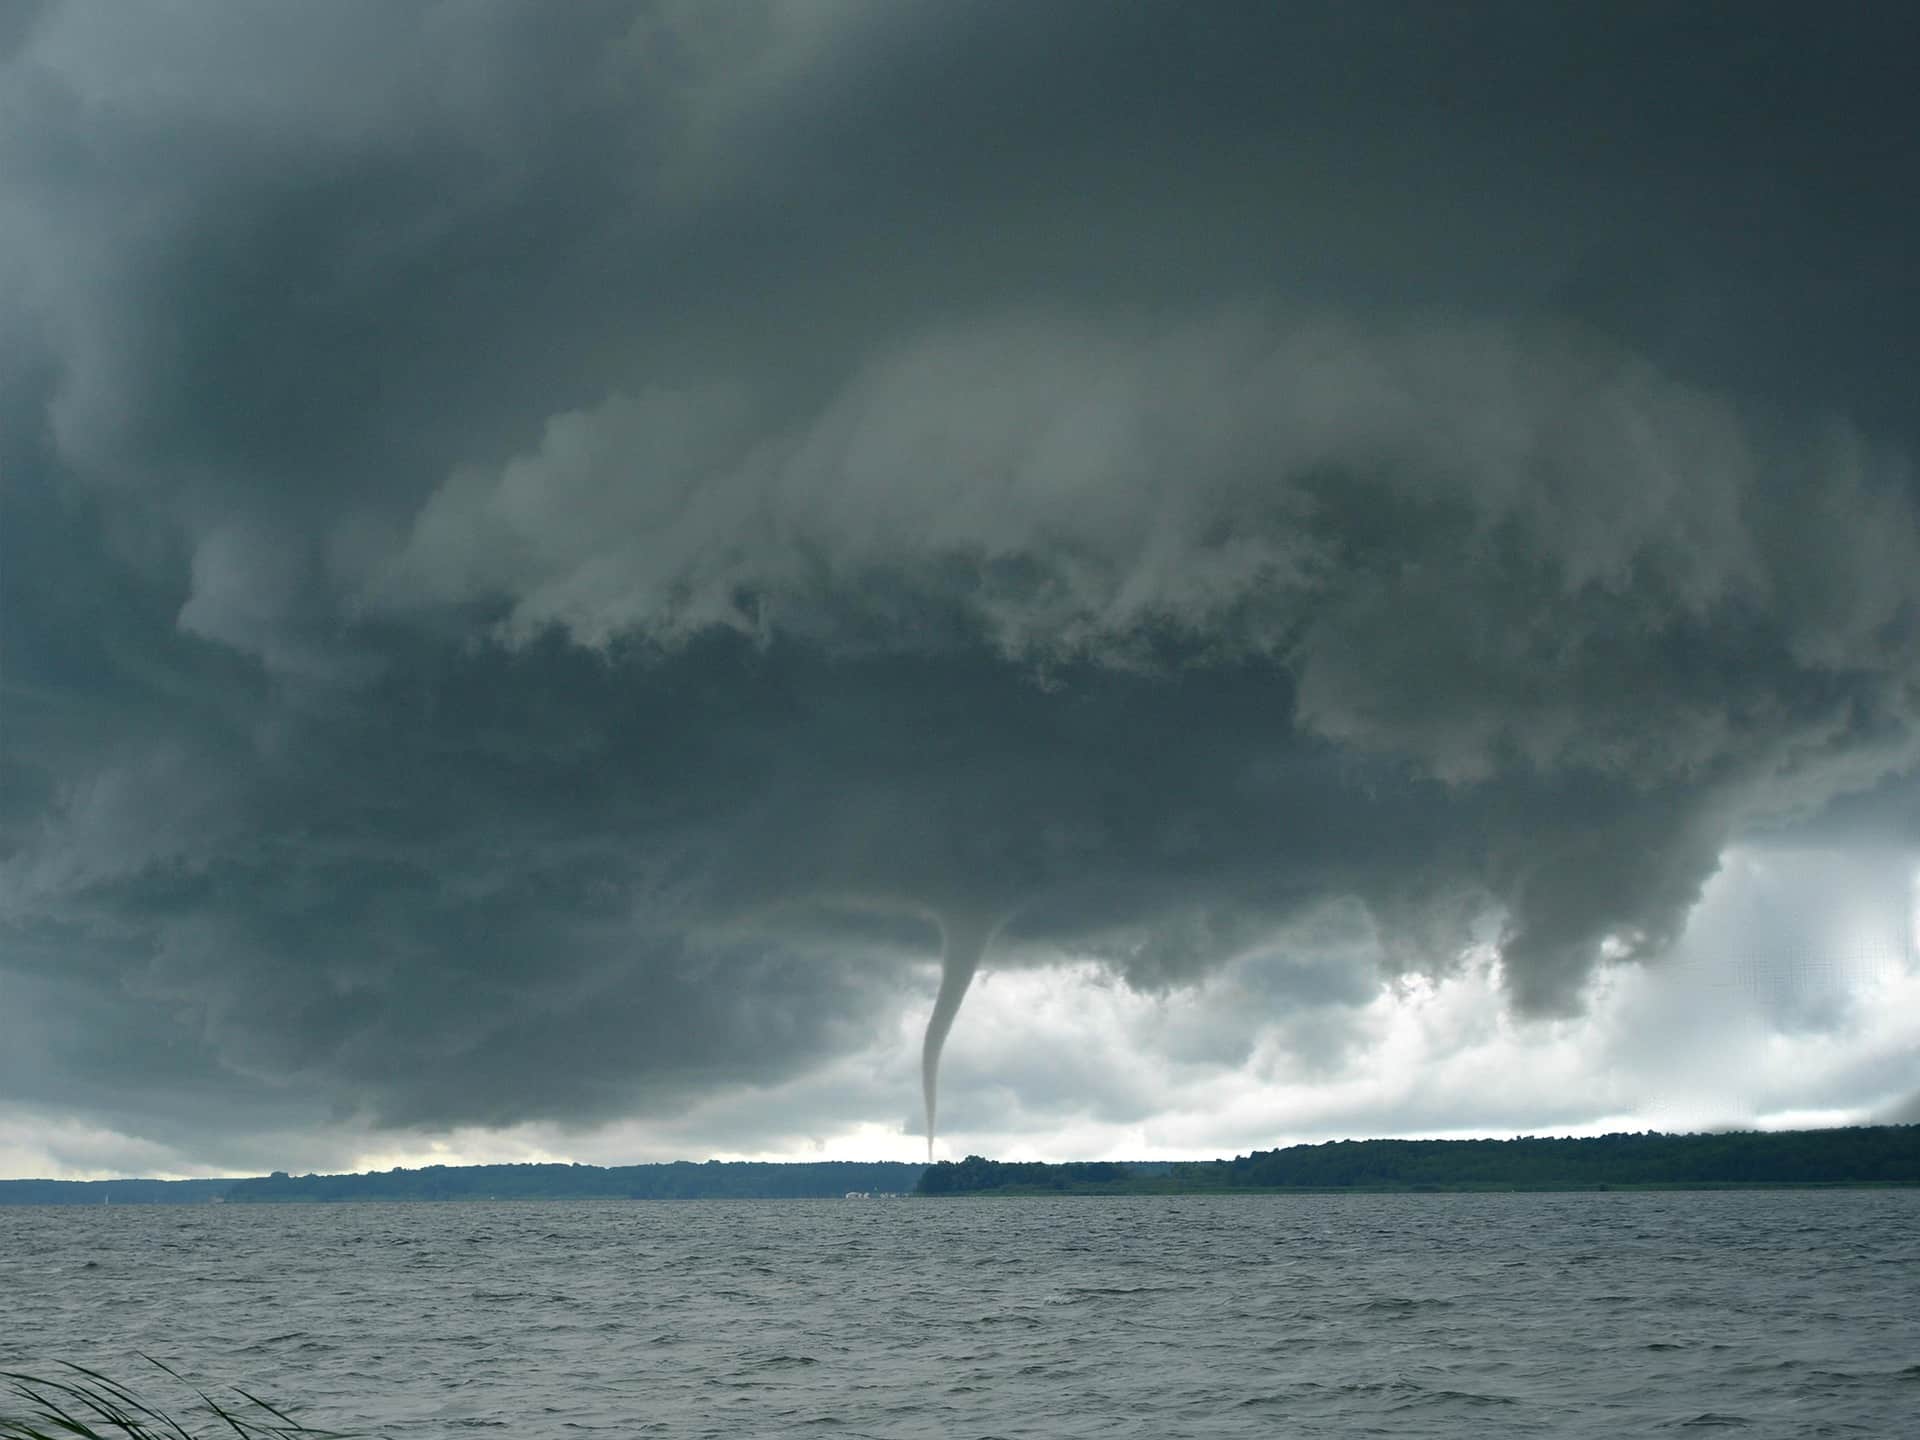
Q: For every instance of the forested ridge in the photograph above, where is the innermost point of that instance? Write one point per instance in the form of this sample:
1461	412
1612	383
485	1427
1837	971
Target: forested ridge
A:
1860	1155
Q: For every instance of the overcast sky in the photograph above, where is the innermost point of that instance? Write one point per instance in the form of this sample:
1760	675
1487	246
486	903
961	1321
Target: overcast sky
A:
550	553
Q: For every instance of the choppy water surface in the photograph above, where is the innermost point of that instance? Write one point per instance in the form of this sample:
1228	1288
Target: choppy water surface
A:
1780	1313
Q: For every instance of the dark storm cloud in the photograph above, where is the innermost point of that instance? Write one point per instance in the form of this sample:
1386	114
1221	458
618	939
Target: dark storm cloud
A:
543	547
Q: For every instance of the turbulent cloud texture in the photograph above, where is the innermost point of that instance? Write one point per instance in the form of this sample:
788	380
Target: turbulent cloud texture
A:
550	556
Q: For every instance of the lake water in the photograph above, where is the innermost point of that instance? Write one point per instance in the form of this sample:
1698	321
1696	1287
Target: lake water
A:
1786	1313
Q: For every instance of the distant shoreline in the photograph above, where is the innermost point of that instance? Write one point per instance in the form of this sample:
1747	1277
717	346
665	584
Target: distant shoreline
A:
1143	1191
1876	1156
675	1180
1854	1158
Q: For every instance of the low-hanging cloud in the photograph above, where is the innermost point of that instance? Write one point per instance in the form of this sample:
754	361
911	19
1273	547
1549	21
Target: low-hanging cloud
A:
532	596
1459	540
1473	555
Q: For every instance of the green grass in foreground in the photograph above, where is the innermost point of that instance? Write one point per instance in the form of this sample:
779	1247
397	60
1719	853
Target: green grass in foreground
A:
83	1404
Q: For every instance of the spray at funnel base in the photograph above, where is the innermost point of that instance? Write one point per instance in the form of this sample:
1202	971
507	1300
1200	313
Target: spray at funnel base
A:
963	941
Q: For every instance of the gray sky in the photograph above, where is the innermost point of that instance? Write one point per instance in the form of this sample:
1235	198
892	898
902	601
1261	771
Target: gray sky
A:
546	551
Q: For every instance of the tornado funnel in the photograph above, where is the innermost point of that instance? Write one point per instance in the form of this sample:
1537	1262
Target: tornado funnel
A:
964	940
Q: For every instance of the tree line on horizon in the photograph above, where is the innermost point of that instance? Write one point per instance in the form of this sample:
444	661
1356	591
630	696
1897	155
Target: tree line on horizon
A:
1858	1155
674	1180
1871	1155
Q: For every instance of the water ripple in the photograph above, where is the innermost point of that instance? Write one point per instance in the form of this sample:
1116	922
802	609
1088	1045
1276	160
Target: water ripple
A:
1775	1315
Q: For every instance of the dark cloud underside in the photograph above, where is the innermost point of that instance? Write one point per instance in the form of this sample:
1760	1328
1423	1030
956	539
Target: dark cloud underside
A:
546	550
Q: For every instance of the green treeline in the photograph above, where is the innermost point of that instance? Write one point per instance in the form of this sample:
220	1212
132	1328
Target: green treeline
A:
680	1180
1876	1155
973	1174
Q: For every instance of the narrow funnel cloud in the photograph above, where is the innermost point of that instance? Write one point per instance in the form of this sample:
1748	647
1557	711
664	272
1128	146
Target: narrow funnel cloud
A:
964	939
